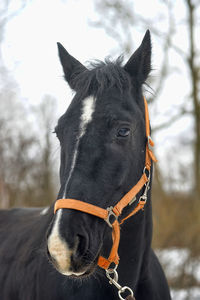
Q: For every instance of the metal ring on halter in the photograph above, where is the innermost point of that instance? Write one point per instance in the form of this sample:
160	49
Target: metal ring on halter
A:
112	270
147	172
122	290
110	213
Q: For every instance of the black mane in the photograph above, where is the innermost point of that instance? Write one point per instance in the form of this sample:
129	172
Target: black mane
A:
100	76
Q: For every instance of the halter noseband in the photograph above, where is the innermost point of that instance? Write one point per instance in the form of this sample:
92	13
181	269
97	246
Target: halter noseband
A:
116	211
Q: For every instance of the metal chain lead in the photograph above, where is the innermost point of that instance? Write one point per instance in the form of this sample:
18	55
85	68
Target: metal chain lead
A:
114	281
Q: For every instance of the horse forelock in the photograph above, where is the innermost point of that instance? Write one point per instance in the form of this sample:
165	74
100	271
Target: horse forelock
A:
102	75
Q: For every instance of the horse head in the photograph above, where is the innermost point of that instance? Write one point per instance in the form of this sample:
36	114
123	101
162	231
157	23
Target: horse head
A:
102	140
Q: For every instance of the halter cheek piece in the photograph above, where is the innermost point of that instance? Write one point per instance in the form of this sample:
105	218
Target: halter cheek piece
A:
116	211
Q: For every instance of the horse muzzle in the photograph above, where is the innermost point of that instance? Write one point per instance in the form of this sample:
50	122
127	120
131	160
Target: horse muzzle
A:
70	252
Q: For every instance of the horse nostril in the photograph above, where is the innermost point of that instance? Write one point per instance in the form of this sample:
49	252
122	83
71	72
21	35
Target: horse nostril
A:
47	252
81	246
78	255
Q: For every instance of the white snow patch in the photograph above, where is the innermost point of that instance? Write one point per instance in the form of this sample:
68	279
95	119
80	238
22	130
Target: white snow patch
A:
182	294
176	260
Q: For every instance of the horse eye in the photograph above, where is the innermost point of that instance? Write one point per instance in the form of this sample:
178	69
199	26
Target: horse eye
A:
123	132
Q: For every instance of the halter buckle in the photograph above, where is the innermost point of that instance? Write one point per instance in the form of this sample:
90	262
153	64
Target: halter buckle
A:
110	213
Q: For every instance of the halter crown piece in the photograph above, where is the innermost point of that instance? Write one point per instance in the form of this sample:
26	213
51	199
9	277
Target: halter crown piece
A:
114	212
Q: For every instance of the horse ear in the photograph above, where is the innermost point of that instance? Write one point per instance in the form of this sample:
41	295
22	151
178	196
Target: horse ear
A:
71	66
139	65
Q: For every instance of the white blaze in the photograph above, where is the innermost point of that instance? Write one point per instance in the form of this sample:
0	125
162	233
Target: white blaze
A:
58	248
86	117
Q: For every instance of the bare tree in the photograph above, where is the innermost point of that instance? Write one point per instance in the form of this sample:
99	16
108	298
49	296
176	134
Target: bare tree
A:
193	63
15	150
46	114
26	176
26	168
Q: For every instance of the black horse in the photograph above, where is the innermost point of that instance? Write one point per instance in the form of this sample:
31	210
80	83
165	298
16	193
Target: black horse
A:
102	138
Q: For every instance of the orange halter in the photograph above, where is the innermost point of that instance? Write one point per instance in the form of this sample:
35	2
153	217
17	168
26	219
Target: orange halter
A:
116	211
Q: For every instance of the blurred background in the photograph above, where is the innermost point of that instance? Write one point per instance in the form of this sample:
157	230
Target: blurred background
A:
33	95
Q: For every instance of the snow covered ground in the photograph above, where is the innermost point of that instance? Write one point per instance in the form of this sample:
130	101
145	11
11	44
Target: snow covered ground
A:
189	294
175	261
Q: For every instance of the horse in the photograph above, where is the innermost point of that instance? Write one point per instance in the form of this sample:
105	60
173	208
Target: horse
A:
54	254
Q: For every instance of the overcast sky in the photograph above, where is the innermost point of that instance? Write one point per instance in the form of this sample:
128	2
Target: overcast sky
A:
30	44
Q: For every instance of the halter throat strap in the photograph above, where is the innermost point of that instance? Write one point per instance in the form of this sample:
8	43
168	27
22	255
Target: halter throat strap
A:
116	211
